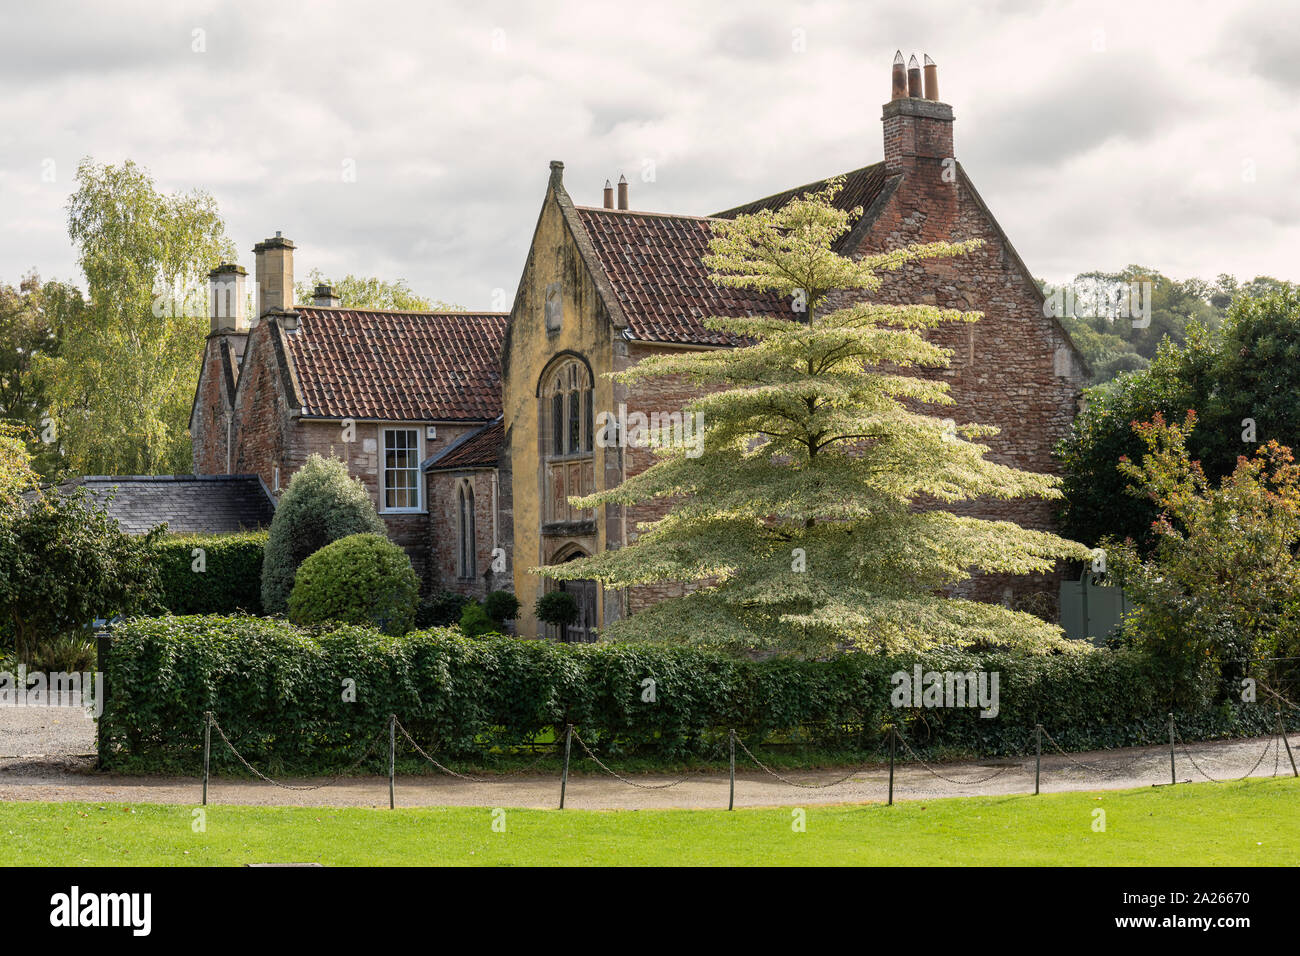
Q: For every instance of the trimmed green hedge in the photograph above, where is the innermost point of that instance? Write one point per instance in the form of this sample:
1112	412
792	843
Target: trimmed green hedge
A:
230	582
278	690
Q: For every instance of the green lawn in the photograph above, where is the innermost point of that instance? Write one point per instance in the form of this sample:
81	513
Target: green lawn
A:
1243	823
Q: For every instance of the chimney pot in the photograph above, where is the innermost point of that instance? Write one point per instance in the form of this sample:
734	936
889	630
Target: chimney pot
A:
609	195
324	297
622	191
931	79
898	78
917	128
913	77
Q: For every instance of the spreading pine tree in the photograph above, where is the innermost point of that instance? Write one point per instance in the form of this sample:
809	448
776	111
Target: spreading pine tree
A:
812	517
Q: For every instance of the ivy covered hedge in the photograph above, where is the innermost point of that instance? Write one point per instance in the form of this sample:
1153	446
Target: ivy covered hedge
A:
279	692
230	579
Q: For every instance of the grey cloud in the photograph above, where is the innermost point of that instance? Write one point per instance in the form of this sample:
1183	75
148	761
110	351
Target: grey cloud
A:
452	139
42	41
1265	43
1111	98
749	38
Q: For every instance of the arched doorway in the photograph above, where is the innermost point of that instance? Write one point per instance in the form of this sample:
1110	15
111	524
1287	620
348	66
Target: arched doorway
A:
584	591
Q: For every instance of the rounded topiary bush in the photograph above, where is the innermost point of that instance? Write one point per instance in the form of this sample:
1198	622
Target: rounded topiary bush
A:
475	621
501	606
360	579
323	503
556	607
441	609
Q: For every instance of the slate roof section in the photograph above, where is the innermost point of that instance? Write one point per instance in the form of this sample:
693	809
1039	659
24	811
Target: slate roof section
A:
476	449
398	366
655	265
862	187
189	504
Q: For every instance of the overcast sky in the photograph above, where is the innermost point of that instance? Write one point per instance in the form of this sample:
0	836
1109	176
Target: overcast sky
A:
1166	134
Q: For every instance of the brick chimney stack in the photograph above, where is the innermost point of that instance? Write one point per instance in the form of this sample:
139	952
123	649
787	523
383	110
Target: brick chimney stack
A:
918	128
274	274
609	195
622	191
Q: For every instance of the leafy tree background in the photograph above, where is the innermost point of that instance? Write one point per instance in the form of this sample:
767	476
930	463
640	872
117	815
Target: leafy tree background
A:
1110	343
1247	369
1220	584
63	560
32	317
369	292
119	387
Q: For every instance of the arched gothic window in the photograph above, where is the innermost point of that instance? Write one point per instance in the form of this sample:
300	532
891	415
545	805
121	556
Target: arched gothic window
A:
466	563
567	419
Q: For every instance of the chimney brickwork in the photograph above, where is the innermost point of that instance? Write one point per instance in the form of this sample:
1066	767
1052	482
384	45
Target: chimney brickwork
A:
274	274
1004	368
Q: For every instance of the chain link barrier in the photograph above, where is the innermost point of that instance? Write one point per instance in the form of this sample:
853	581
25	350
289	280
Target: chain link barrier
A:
397	724
631	783
1093	768
464	776
370	751
960	783
1272	744
794	783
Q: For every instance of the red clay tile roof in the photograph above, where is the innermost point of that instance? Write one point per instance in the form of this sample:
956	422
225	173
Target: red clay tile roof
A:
399	366
654	264
477	449
861	187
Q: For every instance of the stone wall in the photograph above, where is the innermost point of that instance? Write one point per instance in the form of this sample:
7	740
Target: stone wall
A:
443	534
212	412
1015	368
555	273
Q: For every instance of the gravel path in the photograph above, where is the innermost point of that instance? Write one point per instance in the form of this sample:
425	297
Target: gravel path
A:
47	754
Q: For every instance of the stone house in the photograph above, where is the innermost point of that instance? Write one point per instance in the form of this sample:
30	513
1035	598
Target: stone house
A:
386	392
514	398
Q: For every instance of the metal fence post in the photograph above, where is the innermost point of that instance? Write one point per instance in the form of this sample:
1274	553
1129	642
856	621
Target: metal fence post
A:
1038	755
392	761
207	751
731	800
893	736
103	647
1281	729
564	776
1173	774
